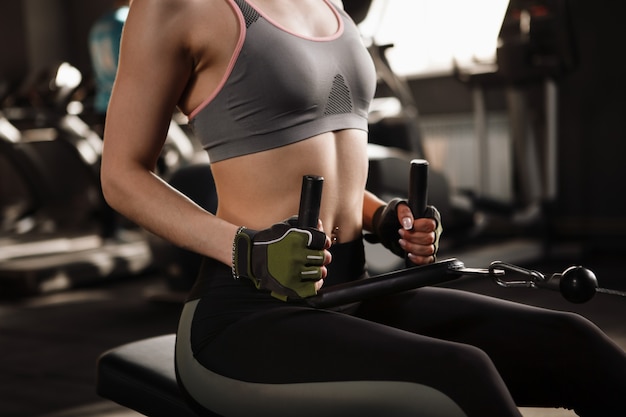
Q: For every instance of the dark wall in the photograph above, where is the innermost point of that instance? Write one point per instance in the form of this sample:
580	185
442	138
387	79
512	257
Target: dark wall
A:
38	33
593	129
82	14
592	125
13	49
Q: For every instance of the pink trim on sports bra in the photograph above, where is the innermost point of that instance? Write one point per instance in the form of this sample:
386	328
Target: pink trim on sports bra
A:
242	37
231	63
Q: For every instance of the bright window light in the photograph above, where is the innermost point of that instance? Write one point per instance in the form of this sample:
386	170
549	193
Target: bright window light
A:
429	35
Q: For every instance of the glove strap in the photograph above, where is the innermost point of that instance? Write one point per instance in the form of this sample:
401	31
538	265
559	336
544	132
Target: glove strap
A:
373	237
385	225
242	250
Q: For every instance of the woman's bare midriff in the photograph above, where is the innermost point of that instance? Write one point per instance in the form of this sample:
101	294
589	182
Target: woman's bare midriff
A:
264	188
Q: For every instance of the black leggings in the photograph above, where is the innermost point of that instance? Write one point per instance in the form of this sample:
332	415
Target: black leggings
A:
487	355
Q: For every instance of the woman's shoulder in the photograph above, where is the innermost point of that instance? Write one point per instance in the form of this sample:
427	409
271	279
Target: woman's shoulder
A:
178	12
178	21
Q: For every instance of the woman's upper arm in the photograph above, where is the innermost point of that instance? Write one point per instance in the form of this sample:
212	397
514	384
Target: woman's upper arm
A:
154	68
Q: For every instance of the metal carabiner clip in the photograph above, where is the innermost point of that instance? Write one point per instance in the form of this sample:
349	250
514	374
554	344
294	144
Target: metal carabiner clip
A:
497	268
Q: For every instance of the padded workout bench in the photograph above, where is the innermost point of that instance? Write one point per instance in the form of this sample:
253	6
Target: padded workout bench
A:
140	375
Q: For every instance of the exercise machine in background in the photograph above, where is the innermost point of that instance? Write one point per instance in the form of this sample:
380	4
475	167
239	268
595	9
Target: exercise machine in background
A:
56	230
535	49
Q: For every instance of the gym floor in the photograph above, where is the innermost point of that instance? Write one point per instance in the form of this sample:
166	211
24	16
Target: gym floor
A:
49	343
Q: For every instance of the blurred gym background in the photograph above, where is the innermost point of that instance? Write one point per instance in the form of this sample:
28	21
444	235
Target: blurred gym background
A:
518	106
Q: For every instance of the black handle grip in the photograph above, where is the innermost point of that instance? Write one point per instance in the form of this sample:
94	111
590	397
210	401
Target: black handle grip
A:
418	192
310	200
418	187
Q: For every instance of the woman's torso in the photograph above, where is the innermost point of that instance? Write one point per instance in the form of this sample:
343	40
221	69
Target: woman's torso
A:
261	188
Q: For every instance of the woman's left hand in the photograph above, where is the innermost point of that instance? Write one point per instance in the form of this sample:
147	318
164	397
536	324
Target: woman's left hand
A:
419	238
397	229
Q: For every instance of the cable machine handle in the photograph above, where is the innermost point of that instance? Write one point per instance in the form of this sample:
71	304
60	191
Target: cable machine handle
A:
310	200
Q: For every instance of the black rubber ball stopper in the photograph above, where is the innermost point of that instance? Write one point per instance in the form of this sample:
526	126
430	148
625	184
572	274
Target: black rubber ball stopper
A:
578	284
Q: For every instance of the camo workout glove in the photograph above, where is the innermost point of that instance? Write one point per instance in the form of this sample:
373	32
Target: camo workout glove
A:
284	259
385	225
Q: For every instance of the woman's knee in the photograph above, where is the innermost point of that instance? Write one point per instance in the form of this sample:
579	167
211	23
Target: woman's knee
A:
568	327
471	379
474	365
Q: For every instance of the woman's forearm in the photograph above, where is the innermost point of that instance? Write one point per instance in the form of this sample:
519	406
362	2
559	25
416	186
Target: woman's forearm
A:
177	219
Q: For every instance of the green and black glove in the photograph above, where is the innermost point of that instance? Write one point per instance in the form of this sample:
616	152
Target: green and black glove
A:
385	226
284	259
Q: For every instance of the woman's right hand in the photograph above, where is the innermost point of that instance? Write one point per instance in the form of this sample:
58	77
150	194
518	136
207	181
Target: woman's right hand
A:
288	260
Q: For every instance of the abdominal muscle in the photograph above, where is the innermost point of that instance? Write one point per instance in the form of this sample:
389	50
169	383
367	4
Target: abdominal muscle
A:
261	189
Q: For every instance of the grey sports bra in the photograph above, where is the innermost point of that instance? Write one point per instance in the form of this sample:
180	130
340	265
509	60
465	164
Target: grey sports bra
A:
281	87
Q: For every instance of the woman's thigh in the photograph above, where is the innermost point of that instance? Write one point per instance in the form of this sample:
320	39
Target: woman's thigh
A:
544	356
299	344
